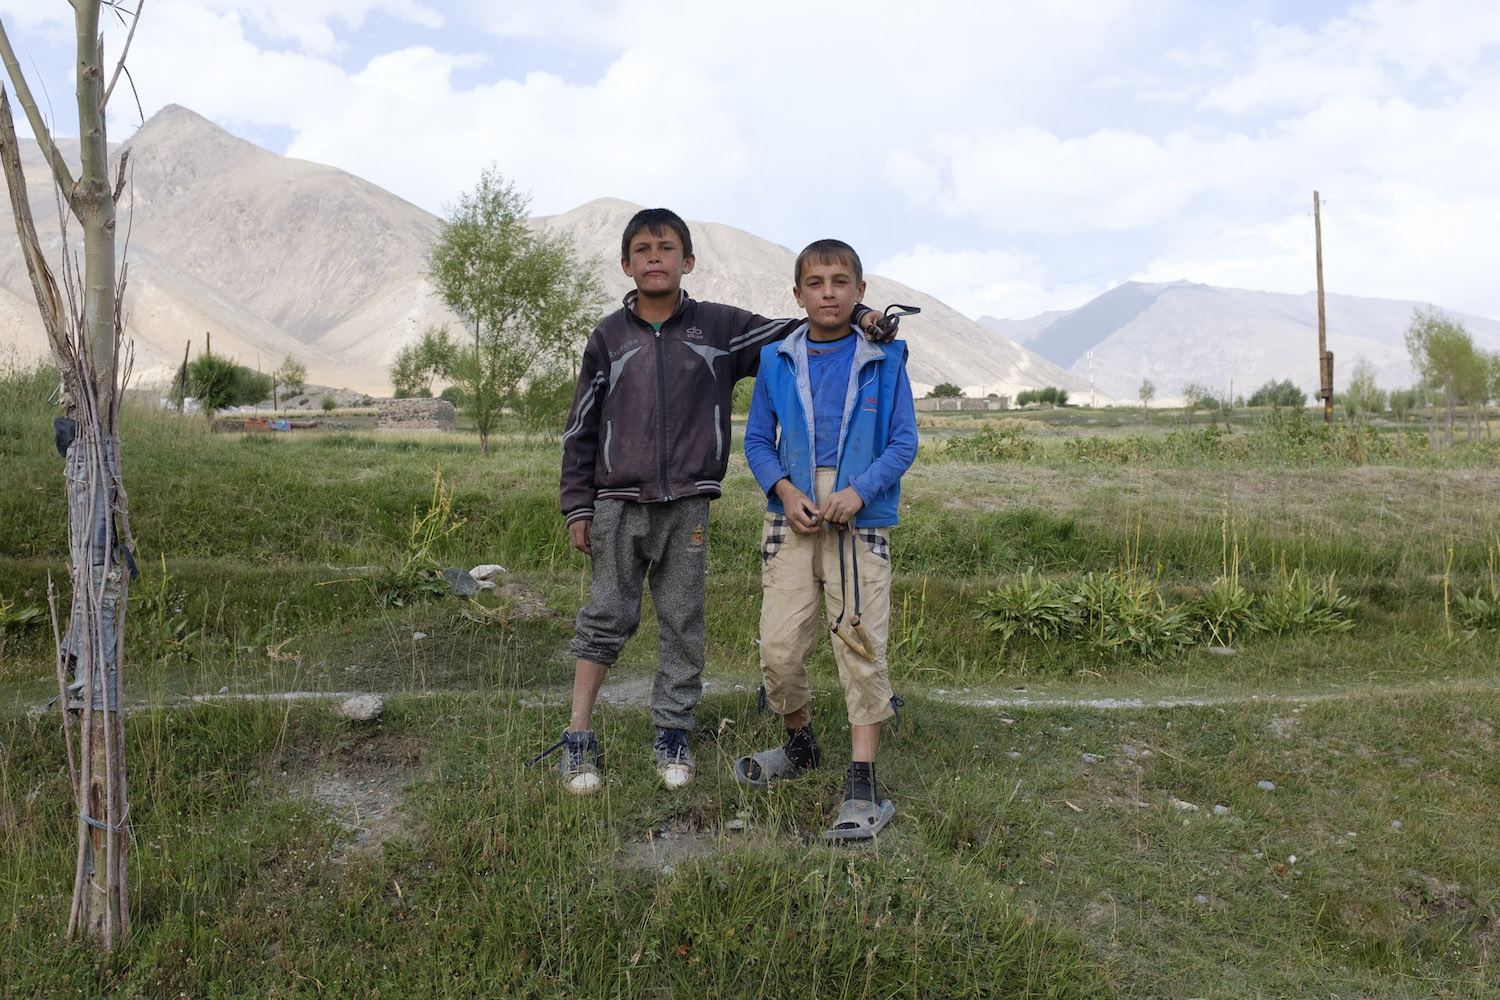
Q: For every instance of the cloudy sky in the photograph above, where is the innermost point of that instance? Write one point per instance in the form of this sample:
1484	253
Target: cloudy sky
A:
1009	156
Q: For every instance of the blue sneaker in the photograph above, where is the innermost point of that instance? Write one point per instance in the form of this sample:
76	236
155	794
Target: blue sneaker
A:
674	761
579	766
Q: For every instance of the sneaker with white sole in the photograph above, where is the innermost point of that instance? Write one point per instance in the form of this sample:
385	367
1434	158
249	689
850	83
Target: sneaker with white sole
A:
674	759
579	766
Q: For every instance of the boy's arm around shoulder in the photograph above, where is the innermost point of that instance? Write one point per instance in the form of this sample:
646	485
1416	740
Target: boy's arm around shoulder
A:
901	448
749	333
581	436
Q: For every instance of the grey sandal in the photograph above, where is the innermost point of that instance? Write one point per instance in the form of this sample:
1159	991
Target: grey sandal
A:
775	765
860	819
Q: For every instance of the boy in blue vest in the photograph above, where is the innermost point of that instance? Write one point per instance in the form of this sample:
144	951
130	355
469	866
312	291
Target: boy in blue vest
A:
832	475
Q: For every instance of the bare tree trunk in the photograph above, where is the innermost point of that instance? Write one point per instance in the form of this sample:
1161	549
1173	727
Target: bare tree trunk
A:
82	317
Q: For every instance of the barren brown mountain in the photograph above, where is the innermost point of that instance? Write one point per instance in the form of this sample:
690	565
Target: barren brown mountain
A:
276	256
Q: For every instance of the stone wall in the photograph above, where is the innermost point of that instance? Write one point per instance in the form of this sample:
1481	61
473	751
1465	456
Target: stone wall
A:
964	403
415	415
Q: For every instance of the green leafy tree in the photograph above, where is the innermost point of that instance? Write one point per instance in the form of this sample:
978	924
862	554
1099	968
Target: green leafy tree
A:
945	390
1443	354
418	365
1146	393
291	377
213	380
526	299
1360	396
1402	402
1193	394
216	381
250	387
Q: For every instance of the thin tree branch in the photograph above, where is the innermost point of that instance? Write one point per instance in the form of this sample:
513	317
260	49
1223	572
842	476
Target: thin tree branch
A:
120	180
60	171
119	66
48	298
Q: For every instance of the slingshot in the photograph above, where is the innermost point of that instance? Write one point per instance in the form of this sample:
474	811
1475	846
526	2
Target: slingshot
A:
890	320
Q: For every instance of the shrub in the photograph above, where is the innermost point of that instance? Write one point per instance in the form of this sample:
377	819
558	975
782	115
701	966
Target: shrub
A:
1278	394
991	444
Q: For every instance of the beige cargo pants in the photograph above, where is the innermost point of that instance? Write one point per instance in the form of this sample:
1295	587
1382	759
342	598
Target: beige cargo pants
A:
795	571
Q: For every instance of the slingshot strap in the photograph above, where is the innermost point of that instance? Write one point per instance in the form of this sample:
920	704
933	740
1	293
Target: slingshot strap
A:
854	563
843	585
843	580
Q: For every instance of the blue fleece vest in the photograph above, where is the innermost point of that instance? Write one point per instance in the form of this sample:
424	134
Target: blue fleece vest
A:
867	418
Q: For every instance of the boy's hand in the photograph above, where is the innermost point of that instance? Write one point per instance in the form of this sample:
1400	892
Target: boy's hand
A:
801	513
578	532
877	328
841	506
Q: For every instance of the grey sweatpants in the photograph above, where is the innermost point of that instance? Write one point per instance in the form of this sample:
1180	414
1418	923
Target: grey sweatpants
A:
667	543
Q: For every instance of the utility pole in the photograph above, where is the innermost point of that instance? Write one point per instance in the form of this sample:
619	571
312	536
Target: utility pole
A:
1325	356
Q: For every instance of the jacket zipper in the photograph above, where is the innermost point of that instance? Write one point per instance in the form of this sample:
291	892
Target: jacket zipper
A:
661	425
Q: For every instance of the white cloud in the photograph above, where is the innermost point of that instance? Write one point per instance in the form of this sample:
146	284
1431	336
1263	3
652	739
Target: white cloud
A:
1003	283
1010	139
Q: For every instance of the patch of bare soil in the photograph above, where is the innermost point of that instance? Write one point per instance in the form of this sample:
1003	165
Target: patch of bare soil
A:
526	604
670	846
1435	896
361	785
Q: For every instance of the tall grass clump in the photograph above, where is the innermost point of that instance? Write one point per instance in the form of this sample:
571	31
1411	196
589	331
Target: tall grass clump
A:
1126	613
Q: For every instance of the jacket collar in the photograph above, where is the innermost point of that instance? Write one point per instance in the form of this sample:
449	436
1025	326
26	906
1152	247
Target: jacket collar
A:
634	295
795	346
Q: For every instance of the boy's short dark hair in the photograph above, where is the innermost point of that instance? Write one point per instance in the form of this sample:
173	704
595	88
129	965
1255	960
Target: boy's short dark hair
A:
828	252
656	221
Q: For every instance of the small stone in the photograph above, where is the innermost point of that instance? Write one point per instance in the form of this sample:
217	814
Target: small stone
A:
418	636
735	824
1185	806
1221	650
224	689
1065	729
1127	749
1200	898
1014	755
1091	758
1220	810
486	571
667	869
1266	786
1008	722
1395	824
363	707
664	835
460	581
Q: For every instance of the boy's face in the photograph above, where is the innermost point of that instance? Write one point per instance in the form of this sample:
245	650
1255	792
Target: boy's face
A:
657	263
829	293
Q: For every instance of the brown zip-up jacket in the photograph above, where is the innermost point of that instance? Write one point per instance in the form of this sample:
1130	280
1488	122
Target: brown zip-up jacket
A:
650	417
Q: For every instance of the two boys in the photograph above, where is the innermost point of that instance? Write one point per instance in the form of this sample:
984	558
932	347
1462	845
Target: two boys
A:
644	452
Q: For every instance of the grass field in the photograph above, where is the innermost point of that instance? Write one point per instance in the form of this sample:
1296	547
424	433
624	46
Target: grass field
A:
1075	818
